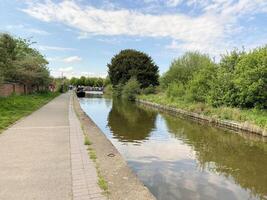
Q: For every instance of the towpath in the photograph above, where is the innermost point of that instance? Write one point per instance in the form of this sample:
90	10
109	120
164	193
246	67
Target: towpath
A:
43	157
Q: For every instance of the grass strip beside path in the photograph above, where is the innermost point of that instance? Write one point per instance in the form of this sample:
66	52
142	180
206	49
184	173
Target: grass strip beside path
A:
14	107
252	116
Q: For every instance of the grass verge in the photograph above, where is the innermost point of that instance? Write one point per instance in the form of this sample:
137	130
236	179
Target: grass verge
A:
253	116
102	183
14	107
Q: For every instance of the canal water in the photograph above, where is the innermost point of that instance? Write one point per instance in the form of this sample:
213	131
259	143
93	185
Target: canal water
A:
180	159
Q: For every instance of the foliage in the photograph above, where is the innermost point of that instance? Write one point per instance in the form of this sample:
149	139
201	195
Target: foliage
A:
61	84
182	69
14	107
21	63
239	80
149	90
250	79
89	81
117	90
108	90
254	116
175	90
201	83
131	63
131	89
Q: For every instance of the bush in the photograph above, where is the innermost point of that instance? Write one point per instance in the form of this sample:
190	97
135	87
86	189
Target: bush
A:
222	90
108	90
201	83
241	80
131	89
250	79
182	69
149	90
117	90
175	90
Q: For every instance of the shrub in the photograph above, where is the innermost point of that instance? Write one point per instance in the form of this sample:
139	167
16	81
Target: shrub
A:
182	69
131	89
250	79
201	83
117	90
175	90
149	90
108	90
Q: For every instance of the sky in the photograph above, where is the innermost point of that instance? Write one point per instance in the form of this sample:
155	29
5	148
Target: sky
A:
79	37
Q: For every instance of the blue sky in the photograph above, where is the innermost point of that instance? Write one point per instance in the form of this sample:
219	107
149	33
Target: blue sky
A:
80	37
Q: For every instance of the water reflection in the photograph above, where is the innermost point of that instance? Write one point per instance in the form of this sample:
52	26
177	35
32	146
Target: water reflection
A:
179	159
129	123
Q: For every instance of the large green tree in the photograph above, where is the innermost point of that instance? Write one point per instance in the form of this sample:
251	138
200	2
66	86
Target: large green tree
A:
129	64
19	62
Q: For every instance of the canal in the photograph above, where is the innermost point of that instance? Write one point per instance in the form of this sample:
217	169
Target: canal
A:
181	159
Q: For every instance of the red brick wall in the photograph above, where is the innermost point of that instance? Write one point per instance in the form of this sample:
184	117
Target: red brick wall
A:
7	89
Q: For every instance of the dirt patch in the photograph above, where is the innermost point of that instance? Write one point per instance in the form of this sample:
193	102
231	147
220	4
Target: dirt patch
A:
123	184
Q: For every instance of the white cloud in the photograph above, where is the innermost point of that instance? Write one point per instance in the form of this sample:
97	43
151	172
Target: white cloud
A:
66	69
205	32
54	48
72	59
27	29
70	72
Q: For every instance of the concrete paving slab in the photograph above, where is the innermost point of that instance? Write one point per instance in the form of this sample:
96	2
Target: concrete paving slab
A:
35	155
43	157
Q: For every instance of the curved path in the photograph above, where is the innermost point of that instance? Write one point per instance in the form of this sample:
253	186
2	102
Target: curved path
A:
43	157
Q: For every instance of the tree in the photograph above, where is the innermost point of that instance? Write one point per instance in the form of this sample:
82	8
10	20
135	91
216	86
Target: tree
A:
201	83
21	63
7	56
183	68
133	64
250	79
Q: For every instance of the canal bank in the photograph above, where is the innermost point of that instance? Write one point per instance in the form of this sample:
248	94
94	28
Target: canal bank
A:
231	125
122	182
177	158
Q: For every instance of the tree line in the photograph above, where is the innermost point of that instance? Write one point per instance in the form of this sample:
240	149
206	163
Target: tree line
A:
21	63
239	79
89	81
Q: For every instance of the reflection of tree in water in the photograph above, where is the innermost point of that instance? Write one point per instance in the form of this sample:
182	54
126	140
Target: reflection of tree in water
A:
130	123
226	153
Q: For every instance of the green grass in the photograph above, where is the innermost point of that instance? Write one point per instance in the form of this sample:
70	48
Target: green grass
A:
102	183
87	141
14	107
253	116
92	155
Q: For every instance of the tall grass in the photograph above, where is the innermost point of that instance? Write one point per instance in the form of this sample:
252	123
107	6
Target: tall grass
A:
253	116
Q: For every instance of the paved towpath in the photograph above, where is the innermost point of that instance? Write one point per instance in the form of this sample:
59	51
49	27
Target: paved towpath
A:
43	157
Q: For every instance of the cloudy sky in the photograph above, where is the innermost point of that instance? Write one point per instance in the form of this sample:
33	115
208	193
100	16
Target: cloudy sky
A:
79	37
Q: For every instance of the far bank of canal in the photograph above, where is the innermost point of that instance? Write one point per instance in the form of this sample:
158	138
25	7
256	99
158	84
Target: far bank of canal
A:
180	159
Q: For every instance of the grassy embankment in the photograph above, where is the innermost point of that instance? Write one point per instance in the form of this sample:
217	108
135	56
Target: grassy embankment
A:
253	116
15	107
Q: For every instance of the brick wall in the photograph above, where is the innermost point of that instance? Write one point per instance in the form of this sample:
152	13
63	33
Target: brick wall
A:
7	89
